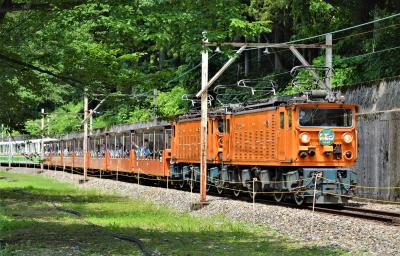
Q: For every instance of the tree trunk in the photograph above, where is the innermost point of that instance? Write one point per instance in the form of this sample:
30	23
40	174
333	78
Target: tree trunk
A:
163	54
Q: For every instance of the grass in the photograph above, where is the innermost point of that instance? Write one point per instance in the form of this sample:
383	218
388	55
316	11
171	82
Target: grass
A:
20	159
29	225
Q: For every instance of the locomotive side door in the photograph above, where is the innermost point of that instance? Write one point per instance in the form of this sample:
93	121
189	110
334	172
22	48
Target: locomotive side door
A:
226	154
281	134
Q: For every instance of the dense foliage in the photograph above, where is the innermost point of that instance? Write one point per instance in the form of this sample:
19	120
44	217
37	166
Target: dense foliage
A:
50	51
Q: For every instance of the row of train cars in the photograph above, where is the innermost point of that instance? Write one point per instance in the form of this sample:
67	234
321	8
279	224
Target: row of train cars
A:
288	148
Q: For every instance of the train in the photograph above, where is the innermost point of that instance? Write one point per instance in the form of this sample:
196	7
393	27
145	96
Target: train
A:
301	148
20	150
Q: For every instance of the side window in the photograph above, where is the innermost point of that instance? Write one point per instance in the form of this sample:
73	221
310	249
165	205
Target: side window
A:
282	120
290	118
168	138
158	144
127	144
220	126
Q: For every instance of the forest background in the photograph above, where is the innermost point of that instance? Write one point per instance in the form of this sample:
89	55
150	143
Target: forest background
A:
127	51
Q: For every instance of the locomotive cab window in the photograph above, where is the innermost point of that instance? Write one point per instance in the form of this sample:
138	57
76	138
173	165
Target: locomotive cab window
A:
329	117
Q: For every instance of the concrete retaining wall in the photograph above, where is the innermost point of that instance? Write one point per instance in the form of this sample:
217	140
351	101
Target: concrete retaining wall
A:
378	119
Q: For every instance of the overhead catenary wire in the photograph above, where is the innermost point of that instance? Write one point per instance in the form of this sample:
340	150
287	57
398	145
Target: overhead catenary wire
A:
370	53
342	30
343	37
364	32
188	71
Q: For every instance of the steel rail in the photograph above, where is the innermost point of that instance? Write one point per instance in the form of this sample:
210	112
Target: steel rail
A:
361	213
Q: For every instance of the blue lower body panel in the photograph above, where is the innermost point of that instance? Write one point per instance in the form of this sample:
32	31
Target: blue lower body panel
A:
332	185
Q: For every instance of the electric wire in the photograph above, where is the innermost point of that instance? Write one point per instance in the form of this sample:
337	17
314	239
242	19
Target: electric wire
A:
342	30
370	53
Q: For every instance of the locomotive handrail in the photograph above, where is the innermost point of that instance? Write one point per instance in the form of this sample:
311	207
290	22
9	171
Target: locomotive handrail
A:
192	98
243	84
296	69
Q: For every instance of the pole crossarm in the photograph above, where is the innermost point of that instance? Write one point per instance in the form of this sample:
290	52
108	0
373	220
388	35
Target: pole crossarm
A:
305	63
222	70
270	45
94	110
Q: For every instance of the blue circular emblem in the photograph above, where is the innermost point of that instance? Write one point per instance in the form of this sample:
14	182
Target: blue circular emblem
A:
326	137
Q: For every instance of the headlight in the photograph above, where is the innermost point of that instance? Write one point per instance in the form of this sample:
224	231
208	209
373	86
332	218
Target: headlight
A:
348	155
347	138
305	137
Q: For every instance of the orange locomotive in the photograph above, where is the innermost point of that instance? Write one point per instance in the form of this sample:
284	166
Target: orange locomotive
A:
288	147
283	147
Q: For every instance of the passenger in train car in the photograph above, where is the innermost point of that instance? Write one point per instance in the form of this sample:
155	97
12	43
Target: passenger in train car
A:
118	151
98	151
102	152
65	151
47	150
146	150
136	150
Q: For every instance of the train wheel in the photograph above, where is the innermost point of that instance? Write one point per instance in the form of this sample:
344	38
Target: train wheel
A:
299	198
219	185
181	184
236	192
278	196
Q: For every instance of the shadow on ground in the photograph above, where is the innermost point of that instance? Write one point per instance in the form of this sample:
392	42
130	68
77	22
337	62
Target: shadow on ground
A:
30	225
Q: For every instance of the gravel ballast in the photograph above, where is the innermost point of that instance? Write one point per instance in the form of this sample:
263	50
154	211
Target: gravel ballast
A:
352	234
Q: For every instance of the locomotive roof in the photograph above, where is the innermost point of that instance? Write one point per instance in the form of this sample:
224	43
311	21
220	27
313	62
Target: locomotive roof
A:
312	97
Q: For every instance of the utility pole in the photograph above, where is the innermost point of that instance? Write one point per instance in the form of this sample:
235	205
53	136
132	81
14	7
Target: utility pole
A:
91	122
155	108
9	150
42	141
203	126
221	71
328	62
85	134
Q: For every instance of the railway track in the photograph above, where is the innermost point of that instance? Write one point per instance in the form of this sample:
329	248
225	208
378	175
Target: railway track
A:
362	213
356	212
